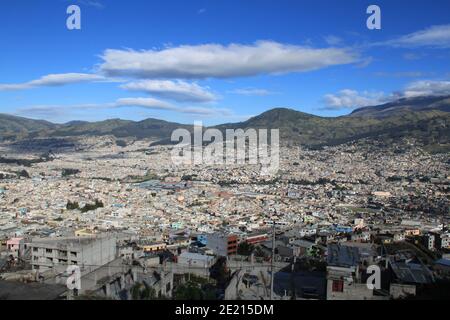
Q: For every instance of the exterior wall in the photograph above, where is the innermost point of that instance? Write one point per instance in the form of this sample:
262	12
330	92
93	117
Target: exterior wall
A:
341	285
15	246
195	260
257	239
154	247
355	291
222	245
429	241
235	284
46	254
232	243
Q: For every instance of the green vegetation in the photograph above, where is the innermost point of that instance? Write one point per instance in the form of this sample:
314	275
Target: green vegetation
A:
72	205
23	174
425	119
141	291
195	288
69	172
88	207
245	249
121	143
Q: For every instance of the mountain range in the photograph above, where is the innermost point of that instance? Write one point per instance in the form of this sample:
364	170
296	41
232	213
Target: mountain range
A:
424	118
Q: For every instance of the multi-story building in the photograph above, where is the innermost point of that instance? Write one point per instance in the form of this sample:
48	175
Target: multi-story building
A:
88	252
256	238
15	246
223	244
443	241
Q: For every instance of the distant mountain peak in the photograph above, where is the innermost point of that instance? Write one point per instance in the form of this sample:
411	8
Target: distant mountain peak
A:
415	104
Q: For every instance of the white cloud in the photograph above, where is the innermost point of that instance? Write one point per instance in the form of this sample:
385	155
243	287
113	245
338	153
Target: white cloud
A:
426	88
252	92
218	61
146	103
150	103
333	40
92	3
176	90
351	99
54	80
401	74
435	36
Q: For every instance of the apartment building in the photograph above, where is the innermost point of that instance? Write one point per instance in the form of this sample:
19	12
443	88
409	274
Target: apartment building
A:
87	252
223	244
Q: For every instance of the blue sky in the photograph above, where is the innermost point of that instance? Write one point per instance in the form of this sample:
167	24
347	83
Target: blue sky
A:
218	60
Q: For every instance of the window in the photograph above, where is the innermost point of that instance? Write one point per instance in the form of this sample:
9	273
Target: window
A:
35	249
73	253
48	250
338	286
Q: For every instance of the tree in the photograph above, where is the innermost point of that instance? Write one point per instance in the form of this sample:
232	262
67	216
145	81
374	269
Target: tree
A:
245	249
219	272
141	291
188	291
72	205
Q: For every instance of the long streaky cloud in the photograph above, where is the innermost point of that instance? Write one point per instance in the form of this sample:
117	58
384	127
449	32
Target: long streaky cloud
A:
180	91
434	36
53	80
219	61
146	103
351	99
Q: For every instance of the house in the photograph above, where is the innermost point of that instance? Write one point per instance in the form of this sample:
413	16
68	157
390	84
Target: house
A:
195	260
344	277
15	246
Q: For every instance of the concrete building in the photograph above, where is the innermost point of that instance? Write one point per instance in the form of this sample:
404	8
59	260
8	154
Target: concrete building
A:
343	275
86	252
15	246
254	239
223	244
195	260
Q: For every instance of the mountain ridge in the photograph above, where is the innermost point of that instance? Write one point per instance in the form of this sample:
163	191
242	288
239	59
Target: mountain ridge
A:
424	118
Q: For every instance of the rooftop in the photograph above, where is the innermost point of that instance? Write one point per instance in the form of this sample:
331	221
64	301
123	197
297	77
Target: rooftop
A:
342	256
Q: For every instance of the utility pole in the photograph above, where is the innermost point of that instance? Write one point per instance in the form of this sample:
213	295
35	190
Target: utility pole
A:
189	270
271	260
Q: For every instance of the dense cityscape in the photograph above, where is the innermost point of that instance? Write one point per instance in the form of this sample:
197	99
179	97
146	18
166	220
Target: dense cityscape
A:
223	157
208	230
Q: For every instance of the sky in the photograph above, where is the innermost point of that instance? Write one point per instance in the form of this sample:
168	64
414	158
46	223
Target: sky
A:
217	61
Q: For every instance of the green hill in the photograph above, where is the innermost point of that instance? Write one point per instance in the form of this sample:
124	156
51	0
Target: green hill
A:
426	119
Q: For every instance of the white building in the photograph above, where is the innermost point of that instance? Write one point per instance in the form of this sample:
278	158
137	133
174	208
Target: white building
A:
85	252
